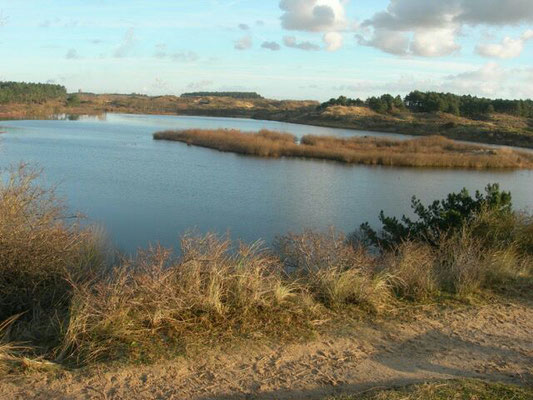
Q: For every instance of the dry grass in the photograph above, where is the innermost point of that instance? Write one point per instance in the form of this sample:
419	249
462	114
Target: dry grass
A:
412	266
333	271
71	306
9	351
263	143
431	151
42	251
155	301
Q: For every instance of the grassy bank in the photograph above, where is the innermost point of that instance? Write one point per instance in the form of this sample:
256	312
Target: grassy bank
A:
434	151
66	300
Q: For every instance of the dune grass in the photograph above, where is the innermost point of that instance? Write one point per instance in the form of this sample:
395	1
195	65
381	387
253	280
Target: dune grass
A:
68	302
429	151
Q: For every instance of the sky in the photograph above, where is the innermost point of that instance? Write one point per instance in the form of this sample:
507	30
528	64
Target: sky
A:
290	49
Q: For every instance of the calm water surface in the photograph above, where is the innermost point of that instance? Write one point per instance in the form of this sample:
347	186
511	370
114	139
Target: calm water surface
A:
144	191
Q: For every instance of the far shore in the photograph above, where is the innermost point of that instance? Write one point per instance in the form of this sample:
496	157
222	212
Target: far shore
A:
498	129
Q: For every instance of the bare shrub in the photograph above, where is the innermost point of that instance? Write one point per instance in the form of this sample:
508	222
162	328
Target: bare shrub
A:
334	272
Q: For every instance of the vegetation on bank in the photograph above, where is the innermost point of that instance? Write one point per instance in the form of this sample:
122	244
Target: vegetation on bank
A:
432	151
234	95
466	389
66	300
28	93
432	102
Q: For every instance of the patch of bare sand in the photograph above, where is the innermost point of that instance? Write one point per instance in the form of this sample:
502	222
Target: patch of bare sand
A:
490	342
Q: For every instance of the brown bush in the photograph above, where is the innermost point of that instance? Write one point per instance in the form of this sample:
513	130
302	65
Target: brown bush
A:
334	272
40	250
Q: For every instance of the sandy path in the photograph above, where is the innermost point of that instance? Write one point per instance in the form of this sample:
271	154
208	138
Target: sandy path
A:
493	342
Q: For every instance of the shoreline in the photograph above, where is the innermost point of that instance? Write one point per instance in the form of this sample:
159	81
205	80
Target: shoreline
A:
504	142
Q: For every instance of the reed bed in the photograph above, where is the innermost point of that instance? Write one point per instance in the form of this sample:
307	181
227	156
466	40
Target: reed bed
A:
429	151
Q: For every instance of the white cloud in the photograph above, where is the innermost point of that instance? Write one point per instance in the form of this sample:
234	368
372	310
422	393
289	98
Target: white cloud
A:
431	27
185	56
126	46
199	85
393	42
434	42
313	15
508	48
333	41
243	43
244	27
3	18
180	56
490	80
274	46
72	54
325	16
290	41
496	12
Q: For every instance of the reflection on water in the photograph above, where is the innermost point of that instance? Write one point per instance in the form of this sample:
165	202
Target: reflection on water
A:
144	191
77	117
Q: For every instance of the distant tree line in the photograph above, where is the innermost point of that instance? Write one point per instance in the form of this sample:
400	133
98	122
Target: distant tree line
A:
22	92
235	95
466	105
416	101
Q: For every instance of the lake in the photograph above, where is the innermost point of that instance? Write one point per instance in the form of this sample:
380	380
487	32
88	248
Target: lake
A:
145	191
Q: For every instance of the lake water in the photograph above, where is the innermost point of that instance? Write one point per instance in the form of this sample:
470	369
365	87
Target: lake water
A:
144	191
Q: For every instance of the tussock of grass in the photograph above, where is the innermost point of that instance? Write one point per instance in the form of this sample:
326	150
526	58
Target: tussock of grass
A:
411	266
77	307
154	300
336	273
431	151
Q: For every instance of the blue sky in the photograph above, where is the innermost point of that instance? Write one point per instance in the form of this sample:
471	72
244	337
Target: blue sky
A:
301	49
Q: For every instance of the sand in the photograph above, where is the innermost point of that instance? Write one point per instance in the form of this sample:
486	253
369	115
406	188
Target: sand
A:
493	342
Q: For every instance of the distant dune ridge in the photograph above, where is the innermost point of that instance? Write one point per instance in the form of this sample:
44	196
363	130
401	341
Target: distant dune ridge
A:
429	151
